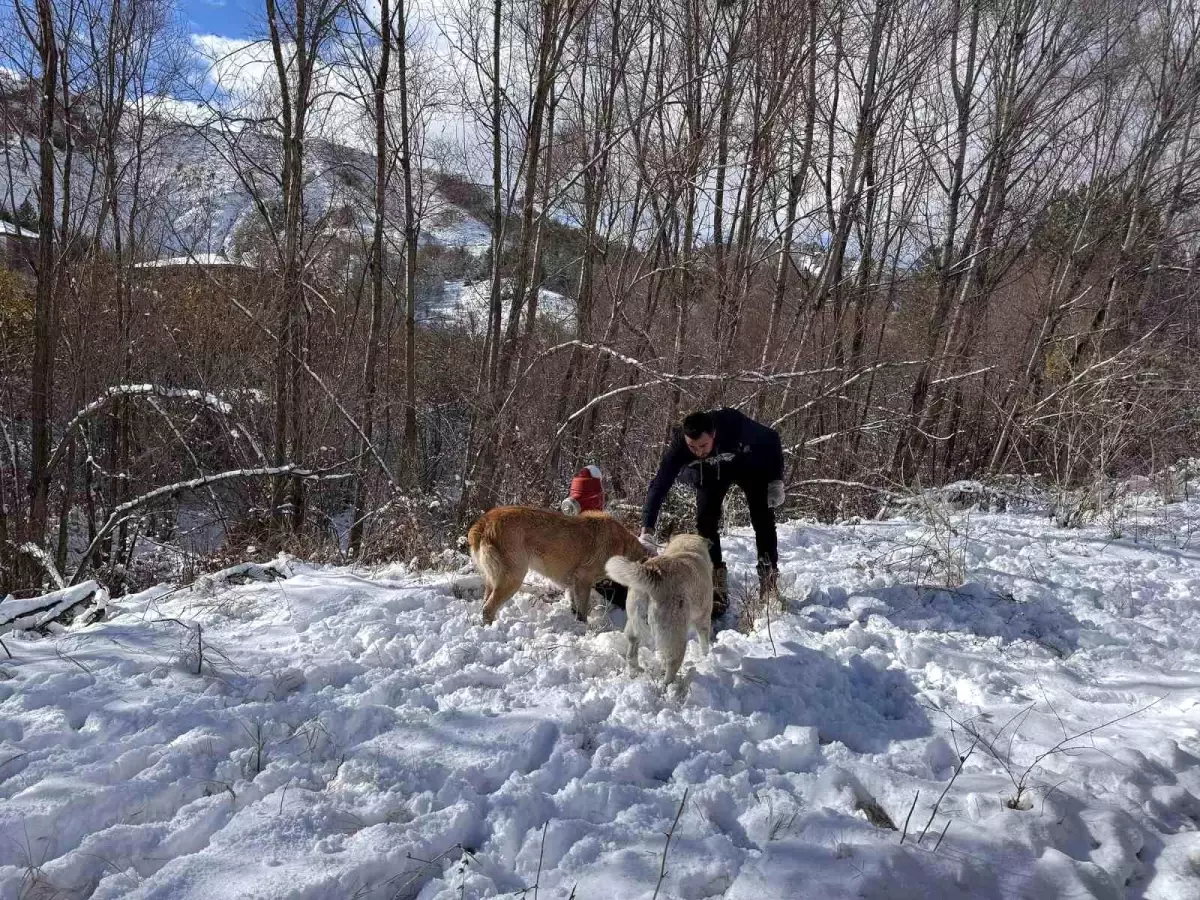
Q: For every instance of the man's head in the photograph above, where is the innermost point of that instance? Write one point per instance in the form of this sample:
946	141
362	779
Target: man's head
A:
699	433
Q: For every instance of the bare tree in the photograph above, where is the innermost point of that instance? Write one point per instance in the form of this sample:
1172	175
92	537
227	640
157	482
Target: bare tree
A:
373	40
298	34
39	26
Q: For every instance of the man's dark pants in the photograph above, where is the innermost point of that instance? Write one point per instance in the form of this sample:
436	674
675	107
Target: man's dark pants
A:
710	497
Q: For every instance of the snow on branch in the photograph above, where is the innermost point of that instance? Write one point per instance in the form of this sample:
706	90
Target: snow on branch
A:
38	613
599	398
134	390
276	570
748	376
840	482
111	394
961	375
121	512
842	385
38	555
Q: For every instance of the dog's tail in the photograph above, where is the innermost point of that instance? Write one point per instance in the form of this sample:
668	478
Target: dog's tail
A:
474	536
632	574
481	539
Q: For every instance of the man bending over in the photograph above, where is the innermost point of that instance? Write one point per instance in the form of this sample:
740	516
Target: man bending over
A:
711	452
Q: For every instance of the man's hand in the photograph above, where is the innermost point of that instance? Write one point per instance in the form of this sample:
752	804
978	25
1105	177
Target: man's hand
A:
775	494
649	544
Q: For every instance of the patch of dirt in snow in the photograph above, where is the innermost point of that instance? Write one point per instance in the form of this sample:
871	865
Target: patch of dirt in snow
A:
359	735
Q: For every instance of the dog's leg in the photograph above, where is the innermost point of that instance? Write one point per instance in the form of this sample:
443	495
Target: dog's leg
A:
500	594
581	598
633	611
704	634
672	647
671	665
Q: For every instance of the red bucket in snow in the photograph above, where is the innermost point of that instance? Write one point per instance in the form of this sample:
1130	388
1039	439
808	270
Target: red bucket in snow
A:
587	492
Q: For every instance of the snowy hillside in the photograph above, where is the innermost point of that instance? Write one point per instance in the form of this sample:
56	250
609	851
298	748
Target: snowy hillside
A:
198	190
197	186
361	734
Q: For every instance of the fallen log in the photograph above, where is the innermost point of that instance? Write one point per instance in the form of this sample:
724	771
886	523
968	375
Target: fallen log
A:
243	573
84	603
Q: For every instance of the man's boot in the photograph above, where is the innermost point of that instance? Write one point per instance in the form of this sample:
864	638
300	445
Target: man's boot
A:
768	582
720	590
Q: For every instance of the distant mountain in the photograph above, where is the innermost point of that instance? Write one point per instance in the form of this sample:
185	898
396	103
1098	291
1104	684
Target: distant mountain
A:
204	191
205	195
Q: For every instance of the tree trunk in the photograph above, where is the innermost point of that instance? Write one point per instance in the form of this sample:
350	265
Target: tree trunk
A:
411	235
378	271
45	331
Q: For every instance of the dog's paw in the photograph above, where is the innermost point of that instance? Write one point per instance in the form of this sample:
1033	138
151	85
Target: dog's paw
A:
677	688
675	692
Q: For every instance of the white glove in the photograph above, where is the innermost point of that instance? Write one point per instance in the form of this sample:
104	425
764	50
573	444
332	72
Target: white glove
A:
649	544
775	494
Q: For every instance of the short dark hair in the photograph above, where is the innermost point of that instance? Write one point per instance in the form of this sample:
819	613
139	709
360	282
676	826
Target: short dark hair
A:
698	423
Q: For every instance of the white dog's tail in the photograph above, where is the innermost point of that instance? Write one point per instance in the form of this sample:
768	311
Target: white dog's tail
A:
632	574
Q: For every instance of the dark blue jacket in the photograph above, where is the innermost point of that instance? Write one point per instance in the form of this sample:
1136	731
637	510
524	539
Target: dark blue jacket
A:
744	450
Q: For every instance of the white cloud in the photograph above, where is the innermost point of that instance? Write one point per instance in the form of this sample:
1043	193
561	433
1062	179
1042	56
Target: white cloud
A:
239	69
239	78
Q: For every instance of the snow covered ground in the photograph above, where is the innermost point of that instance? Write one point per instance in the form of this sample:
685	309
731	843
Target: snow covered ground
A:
361	734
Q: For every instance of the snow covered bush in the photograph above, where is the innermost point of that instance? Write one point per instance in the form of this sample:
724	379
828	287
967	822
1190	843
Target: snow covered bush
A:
413	525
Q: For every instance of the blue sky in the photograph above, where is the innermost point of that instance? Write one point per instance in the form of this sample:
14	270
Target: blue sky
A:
228	18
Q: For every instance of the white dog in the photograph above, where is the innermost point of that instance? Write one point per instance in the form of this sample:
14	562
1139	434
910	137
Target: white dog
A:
671	590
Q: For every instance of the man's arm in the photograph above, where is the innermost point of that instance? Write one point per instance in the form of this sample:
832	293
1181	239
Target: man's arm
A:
668	468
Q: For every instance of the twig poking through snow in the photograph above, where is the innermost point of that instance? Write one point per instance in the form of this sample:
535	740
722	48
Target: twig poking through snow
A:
1020	777
283	796
962	761
13	758
541	853
69	658
662	870
199	640
904	833
940	839
425	865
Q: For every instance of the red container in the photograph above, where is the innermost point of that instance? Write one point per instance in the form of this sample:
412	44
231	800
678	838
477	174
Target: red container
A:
587	489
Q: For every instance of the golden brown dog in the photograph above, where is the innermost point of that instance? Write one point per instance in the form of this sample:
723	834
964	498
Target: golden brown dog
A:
508	541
